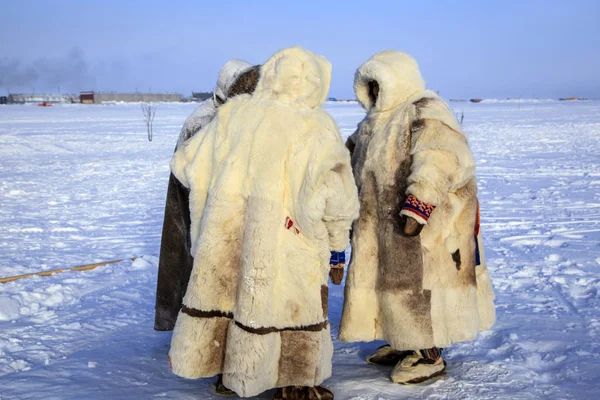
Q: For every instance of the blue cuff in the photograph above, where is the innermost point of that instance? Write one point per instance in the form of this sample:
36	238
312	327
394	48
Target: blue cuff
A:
337	257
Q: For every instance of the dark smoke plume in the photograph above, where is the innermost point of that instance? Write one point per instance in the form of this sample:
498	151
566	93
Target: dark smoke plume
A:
70	73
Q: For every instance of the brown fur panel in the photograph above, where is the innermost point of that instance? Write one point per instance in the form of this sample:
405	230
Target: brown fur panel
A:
300	353
217	353
203	353
400	260
325	300
245	83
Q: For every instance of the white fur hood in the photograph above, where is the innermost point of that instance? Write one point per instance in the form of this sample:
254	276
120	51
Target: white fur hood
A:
397	74
295	76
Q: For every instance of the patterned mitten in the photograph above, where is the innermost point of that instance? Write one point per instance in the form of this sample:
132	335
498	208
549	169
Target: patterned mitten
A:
415	214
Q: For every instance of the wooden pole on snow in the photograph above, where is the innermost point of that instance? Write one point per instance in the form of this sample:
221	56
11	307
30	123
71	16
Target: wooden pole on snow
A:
86	267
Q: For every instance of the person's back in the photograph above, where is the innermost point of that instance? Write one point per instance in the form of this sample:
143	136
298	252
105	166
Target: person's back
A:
272	193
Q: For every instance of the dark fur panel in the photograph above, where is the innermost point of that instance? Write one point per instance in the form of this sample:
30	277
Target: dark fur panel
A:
245	83
456	259
175	262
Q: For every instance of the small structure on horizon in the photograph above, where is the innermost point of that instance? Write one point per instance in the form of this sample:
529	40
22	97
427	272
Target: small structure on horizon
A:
99	97
201	96
37	98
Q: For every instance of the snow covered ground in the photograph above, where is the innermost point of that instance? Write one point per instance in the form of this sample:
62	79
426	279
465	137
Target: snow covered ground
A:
81	184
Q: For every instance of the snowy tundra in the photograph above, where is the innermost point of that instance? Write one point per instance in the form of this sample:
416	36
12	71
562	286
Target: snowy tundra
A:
81	184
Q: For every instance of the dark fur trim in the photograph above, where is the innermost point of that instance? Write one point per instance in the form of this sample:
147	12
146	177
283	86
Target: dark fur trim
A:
245	83
266	330
193	312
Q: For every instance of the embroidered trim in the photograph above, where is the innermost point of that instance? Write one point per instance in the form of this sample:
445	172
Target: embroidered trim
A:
195	313
289	224
477	227
420	208
433	353
477	219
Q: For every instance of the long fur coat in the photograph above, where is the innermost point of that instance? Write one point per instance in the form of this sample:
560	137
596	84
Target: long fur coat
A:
424	291
271	194
175	262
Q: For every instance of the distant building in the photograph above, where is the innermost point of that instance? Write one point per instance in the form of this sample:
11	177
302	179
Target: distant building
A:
99	98
3	99
31	98
86	97
201	96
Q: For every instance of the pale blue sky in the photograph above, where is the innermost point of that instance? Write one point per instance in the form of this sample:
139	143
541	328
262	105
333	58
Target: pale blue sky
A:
465	48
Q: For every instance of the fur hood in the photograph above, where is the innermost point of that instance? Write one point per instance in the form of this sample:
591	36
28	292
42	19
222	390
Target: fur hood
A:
206	110
295	76
397	74
228	74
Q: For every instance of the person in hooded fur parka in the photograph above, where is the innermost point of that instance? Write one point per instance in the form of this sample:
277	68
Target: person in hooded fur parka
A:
271	194
175	262
416	278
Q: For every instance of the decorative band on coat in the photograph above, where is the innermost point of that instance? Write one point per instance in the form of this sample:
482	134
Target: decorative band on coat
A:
193	312
266	330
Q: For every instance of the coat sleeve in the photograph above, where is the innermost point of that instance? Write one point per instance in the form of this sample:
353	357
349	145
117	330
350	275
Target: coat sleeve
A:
441	163
341	195
201	117
185	154
341	206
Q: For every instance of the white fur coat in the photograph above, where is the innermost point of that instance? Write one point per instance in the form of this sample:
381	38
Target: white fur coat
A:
424	291
271	193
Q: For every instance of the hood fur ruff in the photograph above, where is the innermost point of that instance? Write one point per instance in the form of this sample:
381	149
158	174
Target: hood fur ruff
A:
295	76
397	74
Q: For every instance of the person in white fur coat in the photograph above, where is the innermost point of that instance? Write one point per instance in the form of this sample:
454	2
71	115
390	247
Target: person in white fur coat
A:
416	278
175	262
271	194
